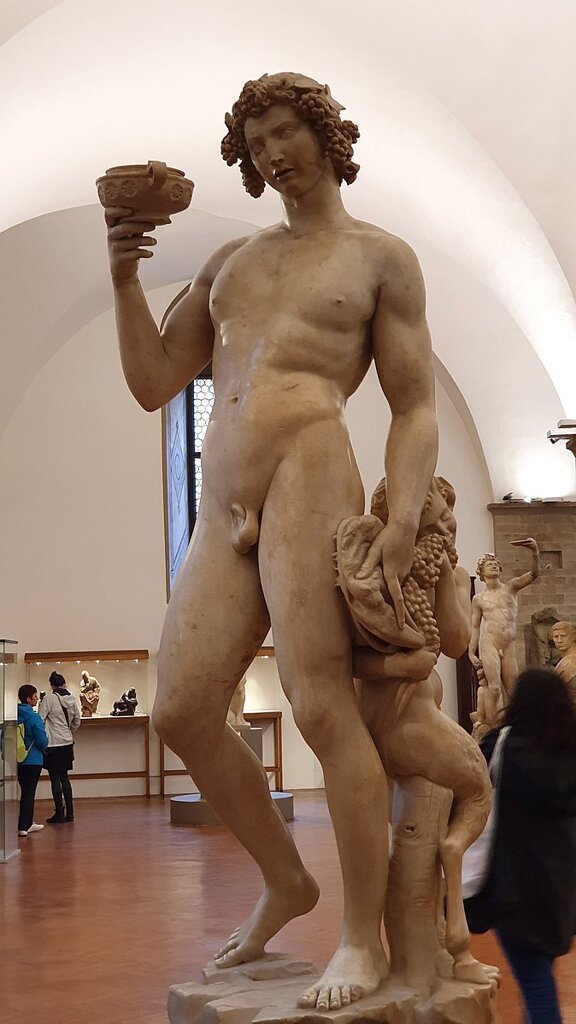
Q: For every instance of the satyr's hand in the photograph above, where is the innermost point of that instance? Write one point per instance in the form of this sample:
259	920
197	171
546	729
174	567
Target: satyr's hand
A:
446	567
394	553
127	236
526	542
476	662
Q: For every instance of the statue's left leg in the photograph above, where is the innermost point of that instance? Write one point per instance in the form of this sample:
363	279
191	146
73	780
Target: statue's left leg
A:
509	671
315	487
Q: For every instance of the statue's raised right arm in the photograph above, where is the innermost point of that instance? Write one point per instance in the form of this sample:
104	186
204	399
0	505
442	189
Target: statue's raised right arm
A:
158	365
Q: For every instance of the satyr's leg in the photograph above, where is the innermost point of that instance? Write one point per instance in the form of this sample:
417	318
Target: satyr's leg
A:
216	621
421	741
490	658
313	490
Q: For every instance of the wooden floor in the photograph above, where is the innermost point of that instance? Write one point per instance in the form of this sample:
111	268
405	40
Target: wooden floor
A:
101	916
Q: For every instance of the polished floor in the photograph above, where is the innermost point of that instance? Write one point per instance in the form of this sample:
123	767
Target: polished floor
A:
101	916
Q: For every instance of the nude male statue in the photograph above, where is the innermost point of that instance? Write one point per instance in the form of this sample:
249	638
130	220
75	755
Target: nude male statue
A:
564	636
496	608
291	317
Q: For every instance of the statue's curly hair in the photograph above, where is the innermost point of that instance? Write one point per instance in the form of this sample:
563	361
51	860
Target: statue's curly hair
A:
488	557
566	626
312	102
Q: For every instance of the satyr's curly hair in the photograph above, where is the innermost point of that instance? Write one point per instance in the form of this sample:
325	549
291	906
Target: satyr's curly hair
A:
446	490
379	503
488	557
312	102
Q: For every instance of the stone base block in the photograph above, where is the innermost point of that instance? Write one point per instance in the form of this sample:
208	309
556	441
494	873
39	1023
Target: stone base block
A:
266	991
253	737
192	809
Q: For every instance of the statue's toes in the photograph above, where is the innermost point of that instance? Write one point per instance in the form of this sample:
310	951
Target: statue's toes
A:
308	998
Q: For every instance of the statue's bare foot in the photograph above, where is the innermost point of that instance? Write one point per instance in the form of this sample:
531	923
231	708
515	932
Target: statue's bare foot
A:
351	974
273	910
467	969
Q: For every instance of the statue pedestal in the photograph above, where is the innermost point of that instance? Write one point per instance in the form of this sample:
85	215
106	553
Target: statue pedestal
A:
192	808
253	737
266	991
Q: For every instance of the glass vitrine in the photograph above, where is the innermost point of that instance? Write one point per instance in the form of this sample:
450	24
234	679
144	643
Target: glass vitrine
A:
8	779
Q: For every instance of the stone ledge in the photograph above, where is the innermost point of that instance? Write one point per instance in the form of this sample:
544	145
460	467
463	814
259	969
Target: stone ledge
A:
531	506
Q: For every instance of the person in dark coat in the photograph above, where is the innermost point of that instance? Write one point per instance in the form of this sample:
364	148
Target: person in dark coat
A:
530	893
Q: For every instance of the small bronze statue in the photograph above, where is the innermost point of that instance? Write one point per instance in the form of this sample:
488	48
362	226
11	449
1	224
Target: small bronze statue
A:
126	705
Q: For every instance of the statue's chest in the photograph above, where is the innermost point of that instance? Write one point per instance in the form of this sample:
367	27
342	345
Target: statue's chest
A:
324	283
502	602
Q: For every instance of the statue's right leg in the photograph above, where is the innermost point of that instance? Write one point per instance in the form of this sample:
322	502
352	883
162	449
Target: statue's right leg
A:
215	623
490	659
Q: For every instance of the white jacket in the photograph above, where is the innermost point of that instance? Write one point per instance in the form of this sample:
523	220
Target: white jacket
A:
51	710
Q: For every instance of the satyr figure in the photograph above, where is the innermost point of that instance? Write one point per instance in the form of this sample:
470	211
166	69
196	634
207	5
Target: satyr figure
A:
399	693
496	610
89	694
564	637
291	318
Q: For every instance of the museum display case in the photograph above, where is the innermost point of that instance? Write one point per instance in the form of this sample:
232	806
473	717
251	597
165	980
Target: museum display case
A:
113	741
8	779
116	672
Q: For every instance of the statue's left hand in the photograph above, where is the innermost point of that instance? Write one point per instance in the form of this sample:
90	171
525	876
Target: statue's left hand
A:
394	554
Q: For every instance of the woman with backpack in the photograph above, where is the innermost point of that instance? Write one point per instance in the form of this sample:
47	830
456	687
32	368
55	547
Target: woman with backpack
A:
35	742
61	716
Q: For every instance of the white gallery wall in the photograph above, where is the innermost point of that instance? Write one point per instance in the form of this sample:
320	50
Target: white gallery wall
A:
466	151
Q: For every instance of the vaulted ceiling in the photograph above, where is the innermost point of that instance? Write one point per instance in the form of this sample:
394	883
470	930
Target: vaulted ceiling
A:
467	150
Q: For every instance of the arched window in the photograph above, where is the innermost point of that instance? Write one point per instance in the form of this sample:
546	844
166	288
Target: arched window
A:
200	399
185	422
185	419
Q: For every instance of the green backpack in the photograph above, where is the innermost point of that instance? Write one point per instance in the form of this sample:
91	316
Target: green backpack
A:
21	750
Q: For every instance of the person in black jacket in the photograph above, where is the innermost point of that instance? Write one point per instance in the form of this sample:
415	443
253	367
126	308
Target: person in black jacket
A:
530	893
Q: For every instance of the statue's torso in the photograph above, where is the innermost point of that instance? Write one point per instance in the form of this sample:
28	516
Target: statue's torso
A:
566	667
284	305
292	319
499	611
